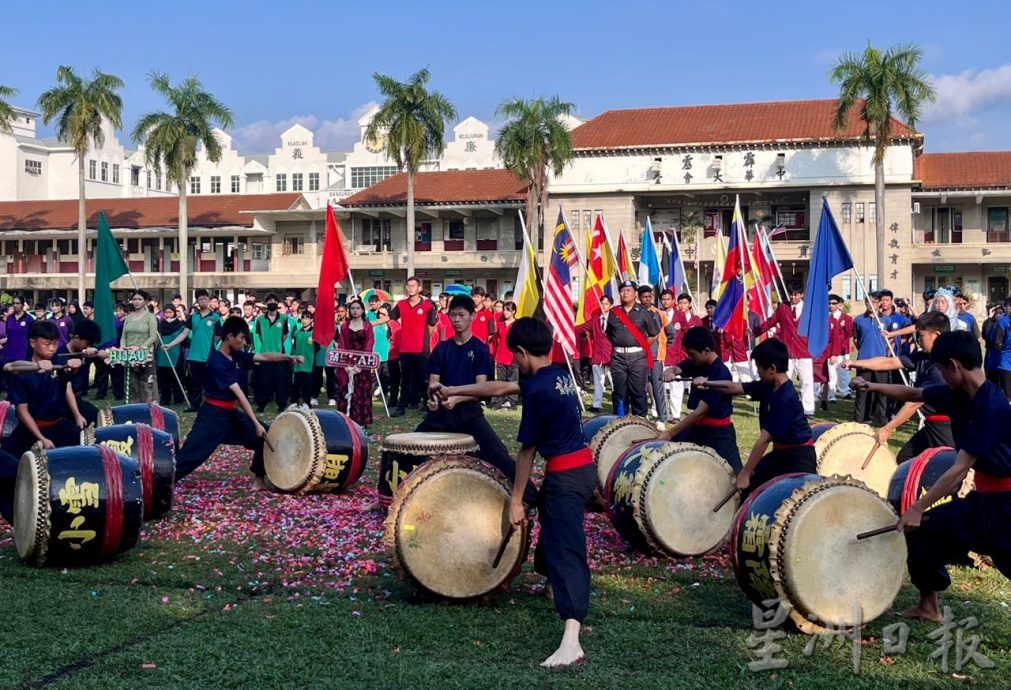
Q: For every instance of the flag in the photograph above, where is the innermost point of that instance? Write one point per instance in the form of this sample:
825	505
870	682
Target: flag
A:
600	272
770	256
757	283
109	266
649	262
778	230
625	269
765	266
829	258
677	277
333	270
731	312
719	266
527	292
558	286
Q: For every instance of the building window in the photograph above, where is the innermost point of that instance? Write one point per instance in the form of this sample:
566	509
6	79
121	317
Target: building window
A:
194	185
872	212
518	240
281	182
945	226
92	170
847	212
157	181
33	167
575	221
587	220
860	214
105	171
996	224
375	233
313	182
456	230
261	252
149	179
296	182
847	287
115	173
135	176
423	236
368	176
215	184
293	245
792	218
235	184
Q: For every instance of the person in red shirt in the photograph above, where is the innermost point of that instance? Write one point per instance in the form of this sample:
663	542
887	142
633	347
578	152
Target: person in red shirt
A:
483	325
418	319
838	373
505	368
786	319
681	320
734	351
600	350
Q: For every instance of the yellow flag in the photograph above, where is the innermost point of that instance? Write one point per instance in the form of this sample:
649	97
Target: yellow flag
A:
527	292
719	266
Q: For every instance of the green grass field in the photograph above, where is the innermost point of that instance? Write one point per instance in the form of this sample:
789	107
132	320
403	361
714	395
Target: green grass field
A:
234	589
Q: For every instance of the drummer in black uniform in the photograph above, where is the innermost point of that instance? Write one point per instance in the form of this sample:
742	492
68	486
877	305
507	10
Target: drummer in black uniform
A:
629	326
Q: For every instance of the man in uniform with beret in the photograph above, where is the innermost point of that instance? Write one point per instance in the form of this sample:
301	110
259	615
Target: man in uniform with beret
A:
629	326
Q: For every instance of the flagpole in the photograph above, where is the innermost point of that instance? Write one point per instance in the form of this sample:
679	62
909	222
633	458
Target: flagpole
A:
698	263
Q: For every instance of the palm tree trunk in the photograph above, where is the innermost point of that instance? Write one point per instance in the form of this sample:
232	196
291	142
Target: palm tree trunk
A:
410	223
184	241
544	201
82	234
532	218
879	218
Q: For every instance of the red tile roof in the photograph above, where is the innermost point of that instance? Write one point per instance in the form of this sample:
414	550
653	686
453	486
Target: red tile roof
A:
449	187
784	121
203	211
977	170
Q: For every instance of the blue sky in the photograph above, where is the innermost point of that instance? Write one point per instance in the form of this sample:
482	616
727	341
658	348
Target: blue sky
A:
312	62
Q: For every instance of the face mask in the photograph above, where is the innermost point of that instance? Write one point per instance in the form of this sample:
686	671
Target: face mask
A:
271	307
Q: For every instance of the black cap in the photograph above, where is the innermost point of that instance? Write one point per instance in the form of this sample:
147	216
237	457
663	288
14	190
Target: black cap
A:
627	284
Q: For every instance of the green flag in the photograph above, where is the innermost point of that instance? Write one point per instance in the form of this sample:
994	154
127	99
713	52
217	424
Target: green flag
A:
109	265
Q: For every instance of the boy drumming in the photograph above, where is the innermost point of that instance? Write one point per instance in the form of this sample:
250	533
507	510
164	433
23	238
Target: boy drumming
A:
981	426
550	425
218	420
781	418
710	423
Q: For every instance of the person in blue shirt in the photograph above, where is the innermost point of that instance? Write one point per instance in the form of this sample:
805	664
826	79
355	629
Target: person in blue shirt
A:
936	430
220	419
551	425
870	344
781	419
711	422
1001	334
981	427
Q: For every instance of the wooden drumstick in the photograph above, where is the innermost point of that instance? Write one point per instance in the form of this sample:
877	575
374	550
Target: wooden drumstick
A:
874	449
726	499
266	442
29	368
502	546
882	530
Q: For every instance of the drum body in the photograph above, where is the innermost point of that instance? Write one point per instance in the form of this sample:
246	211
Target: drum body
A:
160	418
76	506
614	438
795	539
594	424
445	526
155	453
820	428
662	496
913	479
315	451
403	452
843	449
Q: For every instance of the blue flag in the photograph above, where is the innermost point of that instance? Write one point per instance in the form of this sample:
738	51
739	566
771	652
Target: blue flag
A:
829	259
649	262
677	277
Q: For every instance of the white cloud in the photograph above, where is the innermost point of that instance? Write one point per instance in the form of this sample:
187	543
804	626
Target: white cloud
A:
263	136
962	96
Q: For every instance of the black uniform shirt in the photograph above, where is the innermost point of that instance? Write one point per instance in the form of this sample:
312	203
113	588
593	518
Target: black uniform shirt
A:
640	317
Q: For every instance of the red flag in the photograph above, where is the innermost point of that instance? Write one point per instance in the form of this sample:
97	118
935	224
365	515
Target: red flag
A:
333	271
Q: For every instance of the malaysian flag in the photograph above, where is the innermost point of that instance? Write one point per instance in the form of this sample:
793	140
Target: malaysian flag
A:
780	229
558	286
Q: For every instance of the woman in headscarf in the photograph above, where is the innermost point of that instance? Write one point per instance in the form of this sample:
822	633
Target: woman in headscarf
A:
944	302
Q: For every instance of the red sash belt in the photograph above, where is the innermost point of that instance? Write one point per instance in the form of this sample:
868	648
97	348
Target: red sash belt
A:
43	424
989	484
570	461
938	418
713	421
223	404
789	446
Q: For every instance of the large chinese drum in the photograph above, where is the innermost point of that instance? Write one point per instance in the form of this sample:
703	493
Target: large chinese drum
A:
914	478
614	438
402	453
662	496
794	539
819	428
155	453
315	451
445	525
843	450
76	506
160	418
594	424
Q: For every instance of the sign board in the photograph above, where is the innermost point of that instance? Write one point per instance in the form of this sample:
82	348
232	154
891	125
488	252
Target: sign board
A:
944	268
129	356
352	358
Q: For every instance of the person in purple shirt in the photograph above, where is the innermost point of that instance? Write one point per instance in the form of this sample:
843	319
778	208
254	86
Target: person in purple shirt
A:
64	322
18	323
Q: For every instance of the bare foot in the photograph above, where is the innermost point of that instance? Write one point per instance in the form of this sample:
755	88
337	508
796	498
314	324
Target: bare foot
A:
258	484
569	652
929	609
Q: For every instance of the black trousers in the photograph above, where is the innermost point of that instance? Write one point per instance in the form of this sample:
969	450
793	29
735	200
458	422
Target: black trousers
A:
198	374
871	408
561	548
1005	382
779	462
722	439
168	388
977	523
491	449
3	377
932	435
629	374
415	384
63	434
213	427
302	391
273	381
8	477
389	374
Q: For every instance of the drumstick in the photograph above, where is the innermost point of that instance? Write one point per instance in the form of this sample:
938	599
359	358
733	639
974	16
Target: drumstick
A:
269	445
882	530
502	546
874	449
29	367
726	499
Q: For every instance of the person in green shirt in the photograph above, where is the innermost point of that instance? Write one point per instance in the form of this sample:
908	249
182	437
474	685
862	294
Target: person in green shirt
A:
140	332
205	326
307	348
273	379
173	332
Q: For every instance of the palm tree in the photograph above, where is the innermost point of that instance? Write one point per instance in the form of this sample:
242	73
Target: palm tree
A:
533	140
881	83
413	120
80	106
170	140
6	110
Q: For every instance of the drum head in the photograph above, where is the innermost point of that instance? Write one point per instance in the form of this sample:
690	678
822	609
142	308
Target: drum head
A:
817	562
298	446
681	484
430	443
614	439
445	526
31	506
843	449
